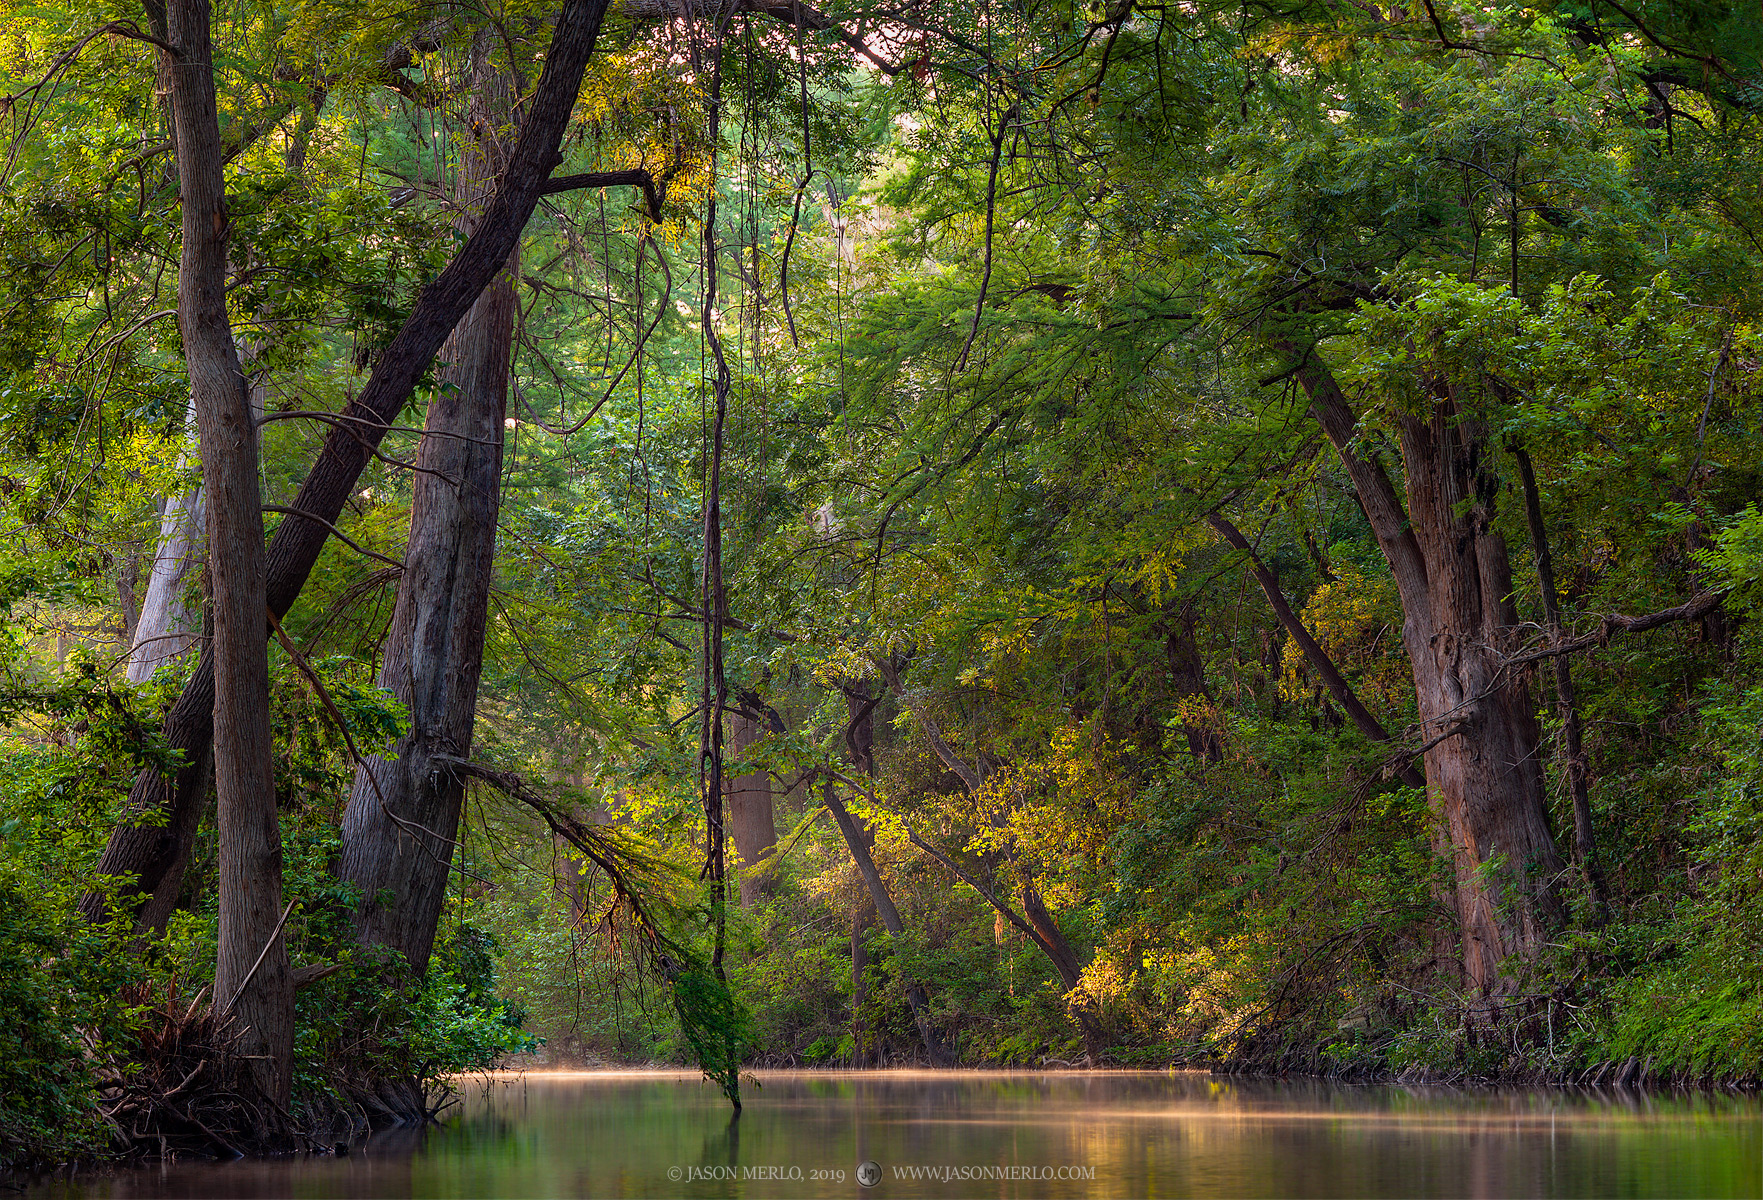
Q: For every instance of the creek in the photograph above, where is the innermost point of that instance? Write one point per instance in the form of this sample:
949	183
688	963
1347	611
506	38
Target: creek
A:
1007	1134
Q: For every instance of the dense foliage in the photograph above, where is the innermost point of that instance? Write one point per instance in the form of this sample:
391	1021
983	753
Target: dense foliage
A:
1052	590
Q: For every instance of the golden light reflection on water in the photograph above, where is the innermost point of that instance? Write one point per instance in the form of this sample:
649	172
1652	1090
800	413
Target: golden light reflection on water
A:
1012	1134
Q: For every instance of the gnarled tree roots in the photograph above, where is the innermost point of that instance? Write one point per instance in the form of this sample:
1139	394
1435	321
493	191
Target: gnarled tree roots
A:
182	1089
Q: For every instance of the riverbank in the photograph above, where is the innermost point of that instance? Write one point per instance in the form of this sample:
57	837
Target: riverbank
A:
1629	1075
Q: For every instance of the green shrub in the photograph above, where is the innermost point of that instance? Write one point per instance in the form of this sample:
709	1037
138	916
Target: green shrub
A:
51	987
372	1019
1699	1004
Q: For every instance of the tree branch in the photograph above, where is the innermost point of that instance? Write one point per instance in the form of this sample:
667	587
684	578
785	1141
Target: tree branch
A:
1377	495
969	775
599	848
789	12
1693	609
338	533
652	194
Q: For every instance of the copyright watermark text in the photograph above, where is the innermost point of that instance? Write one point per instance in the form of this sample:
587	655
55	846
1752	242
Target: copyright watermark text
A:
870	1173
763	1172
951	1172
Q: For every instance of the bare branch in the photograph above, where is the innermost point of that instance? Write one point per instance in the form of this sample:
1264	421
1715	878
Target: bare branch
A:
340	535
1693	609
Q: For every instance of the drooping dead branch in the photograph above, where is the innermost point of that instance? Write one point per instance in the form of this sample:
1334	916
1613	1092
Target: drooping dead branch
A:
605	850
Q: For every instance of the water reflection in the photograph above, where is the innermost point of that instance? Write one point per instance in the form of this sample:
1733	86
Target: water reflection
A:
1012	1135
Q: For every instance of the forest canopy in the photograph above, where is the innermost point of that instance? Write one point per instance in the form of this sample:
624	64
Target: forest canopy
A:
1000	533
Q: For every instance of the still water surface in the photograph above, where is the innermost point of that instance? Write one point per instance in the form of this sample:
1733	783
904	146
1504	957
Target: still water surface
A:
961	1134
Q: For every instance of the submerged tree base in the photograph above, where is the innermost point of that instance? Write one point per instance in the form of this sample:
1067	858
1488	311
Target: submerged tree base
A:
184	1092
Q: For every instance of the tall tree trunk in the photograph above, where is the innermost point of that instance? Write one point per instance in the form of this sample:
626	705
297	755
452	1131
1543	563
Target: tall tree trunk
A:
146	844
751	817
403	815
1452	571
252	979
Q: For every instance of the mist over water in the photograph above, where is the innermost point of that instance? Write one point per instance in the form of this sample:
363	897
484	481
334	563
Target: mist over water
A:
1009	1134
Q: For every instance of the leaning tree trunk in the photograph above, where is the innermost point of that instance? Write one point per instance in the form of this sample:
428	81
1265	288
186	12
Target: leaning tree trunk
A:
860	840
1314	654
1043	929
252	980
1483	767
152	840
751	816
403	815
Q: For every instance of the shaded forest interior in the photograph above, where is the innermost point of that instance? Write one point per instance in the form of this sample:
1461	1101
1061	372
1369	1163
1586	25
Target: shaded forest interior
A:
962	534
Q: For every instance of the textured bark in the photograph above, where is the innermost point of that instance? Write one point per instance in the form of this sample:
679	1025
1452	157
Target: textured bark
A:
1051	938
145	845
751	818
1454	576
251	969
403	815
1314	654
